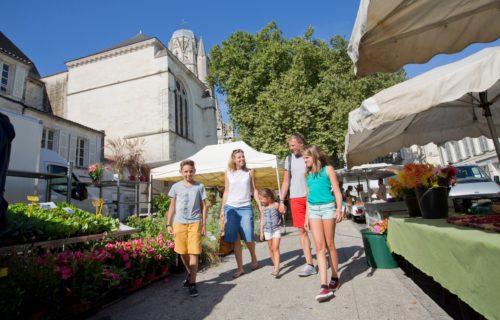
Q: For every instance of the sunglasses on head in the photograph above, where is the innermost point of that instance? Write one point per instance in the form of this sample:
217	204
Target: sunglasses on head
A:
235	151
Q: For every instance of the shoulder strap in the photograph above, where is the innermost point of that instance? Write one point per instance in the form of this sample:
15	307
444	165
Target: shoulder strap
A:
290	166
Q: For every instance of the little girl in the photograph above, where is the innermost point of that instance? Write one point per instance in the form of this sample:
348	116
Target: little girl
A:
270	227
322	215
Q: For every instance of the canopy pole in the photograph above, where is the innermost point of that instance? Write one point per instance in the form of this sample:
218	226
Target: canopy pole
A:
150	193
487	113
279	193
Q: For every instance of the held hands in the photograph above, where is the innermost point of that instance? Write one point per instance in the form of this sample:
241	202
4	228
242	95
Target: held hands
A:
306	225
282	208
203	230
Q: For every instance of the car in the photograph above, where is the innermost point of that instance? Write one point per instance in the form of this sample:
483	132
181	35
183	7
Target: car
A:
472	184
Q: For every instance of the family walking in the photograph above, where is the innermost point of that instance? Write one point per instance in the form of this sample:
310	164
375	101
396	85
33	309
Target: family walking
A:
315	202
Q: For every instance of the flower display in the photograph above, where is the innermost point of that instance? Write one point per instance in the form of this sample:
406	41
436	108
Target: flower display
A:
380	227
95	171
421	176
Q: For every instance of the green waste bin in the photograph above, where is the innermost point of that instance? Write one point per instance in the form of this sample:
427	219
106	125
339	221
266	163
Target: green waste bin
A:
377	252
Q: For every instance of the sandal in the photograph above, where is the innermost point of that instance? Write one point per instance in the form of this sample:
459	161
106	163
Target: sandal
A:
275	273
255	266
238	274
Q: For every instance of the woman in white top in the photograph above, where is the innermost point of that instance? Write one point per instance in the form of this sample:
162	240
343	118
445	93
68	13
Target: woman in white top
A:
236	211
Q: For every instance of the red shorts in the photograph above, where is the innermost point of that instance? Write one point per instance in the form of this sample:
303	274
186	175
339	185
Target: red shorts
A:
299	211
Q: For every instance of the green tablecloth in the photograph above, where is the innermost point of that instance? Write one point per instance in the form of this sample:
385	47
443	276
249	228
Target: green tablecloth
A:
465	261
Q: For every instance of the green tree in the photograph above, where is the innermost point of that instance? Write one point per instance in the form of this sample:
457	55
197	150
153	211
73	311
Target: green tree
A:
276	86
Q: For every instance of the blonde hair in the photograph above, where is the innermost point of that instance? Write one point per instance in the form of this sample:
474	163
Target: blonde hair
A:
318	156
231	165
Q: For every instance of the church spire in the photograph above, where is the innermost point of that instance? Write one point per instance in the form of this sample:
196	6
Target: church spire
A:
202	62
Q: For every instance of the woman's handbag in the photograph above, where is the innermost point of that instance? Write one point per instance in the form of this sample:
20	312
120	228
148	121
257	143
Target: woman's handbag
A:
225	248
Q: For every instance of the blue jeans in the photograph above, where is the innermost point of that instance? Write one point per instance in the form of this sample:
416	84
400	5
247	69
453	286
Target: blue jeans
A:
238	220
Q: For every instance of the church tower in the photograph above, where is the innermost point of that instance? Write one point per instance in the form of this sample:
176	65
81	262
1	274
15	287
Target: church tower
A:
183	45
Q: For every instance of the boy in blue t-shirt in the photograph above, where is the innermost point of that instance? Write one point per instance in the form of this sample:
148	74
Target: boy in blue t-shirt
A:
189	212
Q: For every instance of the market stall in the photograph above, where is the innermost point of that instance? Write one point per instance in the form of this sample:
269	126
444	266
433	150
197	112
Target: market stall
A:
463	260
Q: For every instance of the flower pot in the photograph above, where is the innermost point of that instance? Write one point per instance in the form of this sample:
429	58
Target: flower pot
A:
411	202
143	178
136	283
131	178
149	276
433	202
163	270
377	252
79	308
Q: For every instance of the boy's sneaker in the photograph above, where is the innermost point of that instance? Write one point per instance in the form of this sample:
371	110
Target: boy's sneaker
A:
334	285
193	291
324	294
185	283
308	270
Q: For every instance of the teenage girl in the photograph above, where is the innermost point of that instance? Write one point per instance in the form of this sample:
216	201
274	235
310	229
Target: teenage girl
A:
324	210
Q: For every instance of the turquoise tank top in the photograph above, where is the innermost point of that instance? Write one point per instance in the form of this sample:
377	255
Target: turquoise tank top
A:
320	188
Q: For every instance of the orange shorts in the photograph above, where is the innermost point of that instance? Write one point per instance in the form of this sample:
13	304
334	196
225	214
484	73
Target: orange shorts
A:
187	238
299	211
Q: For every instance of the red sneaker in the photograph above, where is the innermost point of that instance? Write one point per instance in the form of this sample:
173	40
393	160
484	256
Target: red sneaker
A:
324	295
333	285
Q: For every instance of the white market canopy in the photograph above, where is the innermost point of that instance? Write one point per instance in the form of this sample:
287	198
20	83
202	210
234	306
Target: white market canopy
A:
389	34
211	163
437	106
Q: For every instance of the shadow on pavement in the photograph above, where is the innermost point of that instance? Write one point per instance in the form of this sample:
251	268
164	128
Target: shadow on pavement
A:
352	262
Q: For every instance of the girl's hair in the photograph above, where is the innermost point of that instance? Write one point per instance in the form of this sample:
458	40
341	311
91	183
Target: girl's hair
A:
266	193
231	164
319	158
187	163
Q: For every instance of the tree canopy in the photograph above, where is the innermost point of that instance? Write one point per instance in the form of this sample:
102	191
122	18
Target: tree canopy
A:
276	86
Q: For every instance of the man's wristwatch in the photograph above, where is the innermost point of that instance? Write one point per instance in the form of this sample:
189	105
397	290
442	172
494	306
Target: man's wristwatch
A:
167	225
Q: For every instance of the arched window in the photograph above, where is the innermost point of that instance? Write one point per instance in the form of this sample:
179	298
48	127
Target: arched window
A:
181	110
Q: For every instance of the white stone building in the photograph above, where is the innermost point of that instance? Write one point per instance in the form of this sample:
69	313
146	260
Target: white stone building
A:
22	92
480	151
143	89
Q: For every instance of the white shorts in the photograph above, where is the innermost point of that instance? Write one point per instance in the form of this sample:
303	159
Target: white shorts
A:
270	235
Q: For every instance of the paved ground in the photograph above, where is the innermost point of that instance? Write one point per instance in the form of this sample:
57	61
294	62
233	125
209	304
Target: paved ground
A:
364	294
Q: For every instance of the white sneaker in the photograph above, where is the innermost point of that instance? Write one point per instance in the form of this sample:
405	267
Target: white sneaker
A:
308	271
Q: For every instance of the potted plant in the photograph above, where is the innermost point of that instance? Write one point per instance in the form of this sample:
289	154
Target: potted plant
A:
95	172
401	191
431	185
378	254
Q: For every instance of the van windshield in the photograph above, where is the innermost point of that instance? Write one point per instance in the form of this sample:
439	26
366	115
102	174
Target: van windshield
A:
468	174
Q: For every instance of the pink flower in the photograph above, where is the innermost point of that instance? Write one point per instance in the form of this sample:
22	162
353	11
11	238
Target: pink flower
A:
125	257
170	244
65	272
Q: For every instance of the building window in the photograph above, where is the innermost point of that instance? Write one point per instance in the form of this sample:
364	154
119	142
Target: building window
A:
458	152
447	150
80	152
483	144
5	77
465	144
48	139
181	110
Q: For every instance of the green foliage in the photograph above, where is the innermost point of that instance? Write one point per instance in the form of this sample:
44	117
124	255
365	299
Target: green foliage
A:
276	86
38	224
161	203
151	225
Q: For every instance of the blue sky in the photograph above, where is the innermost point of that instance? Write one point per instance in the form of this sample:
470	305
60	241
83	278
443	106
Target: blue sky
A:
52	32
